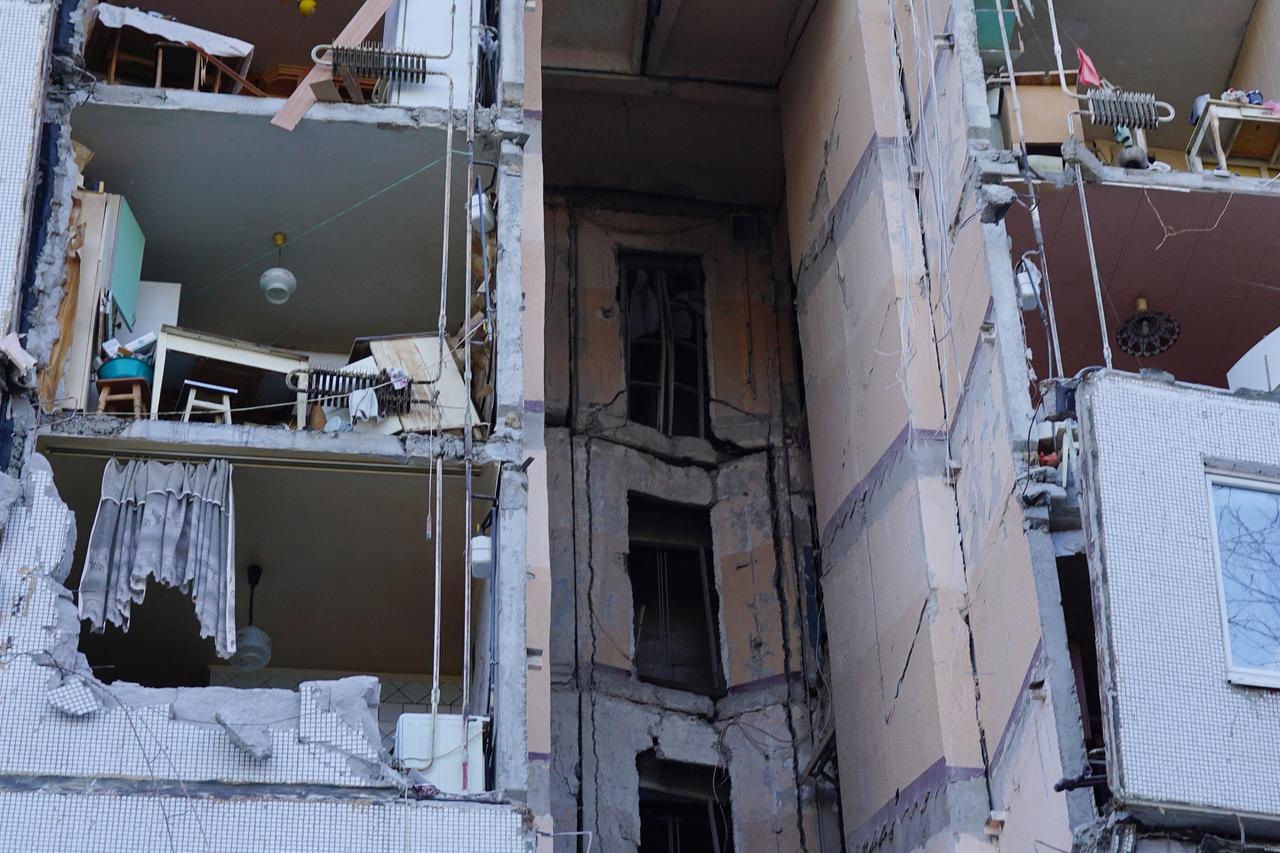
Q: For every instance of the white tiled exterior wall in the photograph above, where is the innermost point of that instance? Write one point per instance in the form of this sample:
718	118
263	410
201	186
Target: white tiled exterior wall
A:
130	775
24	45
1179	734
400	695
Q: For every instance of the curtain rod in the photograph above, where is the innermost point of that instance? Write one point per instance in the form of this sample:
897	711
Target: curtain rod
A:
246	461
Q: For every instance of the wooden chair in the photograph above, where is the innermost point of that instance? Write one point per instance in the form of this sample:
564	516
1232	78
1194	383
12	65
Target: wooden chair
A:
222	404
133	389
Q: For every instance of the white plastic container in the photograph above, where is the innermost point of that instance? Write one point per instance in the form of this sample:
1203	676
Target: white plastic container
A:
413	749
481	556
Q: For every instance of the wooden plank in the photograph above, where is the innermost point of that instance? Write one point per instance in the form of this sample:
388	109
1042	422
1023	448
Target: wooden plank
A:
351	84
417	356
356	30
326	92
223	67
402	353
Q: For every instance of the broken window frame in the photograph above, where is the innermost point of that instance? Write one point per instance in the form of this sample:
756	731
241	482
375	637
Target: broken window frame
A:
645	541
658	267
1247	676
666	786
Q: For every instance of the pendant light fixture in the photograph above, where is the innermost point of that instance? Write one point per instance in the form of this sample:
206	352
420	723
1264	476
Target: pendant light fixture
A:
1147	333
277	283
253	645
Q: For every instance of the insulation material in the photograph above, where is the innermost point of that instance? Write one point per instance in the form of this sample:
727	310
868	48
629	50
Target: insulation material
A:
24	56
1180	736
215	44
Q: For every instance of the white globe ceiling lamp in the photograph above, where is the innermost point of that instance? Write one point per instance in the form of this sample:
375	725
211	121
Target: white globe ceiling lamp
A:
277	283
253	645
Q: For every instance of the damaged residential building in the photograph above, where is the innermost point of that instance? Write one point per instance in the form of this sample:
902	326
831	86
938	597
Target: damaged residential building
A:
909	405
663	425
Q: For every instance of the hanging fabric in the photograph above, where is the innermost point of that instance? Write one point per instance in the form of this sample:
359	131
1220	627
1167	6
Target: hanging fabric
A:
172	521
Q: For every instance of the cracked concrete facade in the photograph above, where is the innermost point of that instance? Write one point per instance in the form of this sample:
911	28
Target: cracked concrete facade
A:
900	670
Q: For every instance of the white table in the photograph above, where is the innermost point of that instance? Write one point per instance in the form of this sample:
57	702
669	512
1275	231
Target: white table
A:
203	344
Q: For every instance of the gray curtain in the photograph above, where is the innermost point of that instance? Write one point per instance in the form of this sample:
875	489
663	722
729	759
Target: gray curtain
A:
174	522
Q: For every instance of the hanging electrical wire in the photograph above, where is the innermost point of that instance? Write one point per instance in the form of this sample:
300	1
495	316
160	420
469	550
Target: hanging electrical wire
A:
1055	356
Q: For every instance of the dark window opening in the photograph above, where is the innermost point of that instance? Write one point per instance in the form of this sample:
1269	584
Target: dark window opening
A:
683	807
1077	611
674	597
664	326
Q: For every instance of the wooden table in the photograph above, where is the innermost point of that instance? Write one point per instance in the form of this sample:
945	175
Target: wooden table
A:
219	348
1247	134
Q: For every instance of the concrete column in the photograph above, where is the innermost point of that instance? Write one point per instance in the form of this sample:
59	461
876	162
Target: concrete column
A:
511	53
509	291
510	734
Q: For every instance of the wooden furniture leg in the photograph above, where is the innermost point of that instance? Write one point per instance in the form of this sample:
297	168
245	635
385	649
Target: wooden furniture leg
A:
115	56
191	401
1217	144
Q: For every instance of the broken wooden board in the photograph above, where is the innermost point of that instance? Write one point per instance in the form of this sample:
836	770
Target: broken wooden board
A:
418	356
356	30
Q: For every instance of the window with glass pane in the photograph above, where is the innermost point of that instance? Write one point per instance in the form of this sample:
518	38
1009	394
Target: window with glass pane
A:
1247	518
666	349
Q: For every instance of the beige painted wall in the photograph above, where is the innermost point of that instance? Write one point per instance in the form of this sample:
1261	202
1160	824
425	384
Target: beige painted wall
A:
894	289
749	346
1258	66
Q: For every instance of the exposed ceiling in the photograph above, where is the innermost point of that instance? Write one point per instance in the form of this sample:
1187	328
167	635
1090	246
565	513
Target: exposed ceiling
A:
347	572
279	34
1219	277
632	90
210	188
1176	50
725	150
741	42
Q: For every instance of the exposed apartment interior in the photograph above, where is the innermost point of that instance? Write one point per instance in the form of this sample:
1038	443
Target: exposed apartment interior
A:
1182	267
269	391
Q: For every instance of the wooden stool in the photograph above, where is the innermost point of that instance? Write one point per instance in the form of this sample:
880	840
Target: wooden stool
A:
223	404
133	388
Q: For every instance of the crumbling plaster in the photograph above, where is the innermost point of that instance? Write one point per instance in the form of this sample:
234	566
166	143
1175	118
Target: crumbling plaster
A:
749	362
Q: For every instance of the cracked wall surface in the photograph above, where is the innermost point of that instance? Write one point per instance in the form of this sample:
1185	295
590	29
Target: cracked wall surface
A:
751	474
918	411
